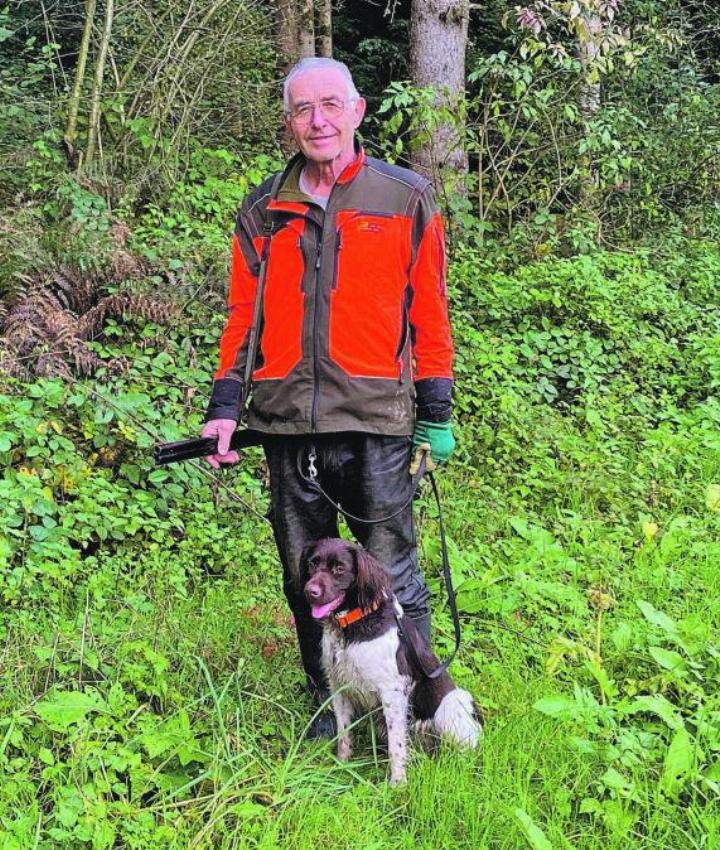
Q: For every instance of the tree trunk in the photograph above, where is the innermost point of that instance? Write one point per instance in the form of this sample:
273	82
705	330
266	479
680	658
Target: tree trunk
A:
94	120
74	102
589	100
286	23
306	28
438	38
324	36
295	28
589	53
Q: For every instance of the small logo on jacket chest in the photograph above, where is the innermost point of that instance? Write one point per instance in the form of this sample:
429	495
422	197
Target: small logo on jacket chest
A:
370	227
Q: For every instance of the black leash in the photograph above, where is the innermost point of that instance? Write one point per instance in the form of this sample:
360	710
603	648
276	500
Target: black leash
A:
442	667
312	480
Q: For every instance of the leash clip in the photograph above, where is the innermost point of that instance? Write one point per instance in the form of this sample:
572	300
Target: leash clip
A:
312	471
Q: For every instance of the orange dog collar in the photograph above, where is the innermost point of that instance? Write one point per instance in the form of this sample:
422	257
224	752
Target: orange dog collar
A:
352	616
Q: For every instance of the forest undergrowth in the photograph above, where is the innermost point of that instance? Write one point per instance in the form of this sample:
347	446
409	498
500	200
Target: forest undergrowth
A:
150	689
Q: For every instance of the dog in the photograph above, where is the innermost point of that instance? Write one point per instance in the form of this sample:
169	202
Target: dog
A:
368	664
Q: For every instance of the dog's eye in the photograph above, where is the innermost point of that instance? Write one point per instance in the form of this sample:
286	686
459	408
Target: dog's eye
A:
336	568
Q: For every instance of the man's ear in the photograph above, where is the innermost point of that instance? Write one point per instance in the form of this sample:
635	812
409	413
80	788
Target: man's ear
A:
360	107
371	578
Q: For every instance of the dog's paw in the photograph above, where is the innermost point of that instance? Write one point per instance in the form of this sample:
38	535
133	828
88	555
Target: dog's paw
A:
344	749
398	778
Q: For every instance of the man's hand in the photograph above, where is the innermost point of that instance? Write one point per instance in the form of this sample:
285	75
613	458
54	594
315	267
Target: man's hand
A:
438	436
222	429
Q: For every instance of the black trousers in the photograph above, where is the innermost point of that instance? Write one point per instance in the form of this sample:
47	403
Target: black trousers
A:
369	476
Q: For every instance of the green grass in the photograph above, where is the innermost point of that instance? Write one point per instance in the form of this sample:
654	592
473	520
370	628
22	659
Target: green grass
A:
231	666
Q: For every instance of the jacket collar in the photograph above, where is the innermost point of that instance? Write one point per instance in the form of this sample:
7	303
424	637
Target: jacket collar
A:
350	171
289	197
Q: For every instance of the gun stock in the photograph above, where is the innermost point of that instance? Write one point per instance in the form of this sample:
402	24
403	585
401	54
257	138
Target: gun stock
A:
202	446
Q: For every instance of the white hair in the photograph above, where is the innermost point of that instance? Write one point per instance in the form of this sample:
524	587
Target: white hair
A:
312	63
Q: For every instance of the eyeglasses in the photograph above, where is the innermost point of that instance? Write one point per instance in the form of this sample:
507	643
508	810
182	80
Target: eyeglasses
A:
330	107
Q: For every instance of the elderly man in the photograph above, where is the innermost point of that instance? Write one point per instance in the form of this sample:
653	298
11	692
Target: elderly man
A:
354	361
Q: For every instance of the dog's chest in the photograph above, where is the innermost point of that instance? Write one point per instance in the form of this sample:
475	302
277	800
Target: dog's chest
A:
366	669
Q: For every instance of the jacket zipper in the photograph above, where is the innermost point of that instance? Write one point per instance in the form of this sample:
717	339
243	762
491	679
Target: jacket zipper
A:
316	345
403	342
378	213
336	259
303	253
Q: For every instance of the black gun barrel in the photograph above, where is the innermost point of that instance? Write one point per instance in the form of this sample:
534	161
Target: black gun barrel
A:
202	446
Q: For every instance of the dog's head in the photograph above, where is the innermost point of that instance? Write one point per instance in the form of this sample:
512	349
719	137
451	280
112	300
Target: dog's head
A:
337	573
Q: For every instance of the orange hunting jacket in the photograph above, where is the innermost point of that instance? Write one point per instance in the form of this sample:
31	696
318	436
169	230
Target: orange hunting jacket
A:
355	332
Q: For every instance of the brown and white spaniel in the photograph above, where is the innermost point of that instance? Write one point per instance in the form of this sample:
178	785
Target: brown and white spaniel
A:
369	665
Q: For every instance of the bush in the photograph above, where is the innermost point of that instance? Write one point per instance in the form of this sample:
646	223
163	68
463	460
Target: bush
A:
633	332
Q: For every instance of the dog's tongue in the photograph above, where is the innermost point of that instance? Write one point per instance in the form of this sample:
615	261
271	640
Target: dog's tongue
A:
321	611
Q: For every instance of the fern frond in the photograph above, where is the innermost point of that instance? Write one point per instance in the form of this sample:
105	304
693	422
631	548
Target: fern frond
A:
45	331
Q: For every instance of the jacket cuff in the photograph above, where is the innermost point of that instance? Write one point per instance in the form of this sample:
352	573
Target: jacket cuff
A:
433	399
225	400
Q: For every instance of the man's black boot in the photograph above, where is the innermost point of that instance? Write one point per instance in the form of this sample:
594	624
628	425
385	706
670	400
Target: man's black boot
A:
323	725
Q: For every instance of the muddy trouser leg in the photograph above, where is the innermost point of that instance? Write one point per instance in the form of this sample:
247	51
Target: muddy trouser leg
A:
299	515
377	483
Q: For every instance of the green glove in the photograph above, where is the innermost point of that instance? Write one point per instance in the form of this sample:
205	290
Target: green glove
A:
438	435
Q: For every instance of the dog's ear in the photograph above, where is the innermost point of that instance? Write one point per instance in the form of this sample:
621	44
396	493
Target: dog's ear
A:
371	577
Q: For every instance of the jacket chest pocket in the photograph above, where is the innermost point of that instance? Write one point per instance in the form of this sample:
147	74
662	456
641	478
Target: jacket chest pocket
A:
367	304
283	303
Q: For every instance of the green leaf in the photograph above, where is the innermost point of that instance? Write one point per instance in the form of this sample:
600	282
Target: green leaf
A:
657	618
657	705
535	836
191	752
667	624
43	652
712	497
248	809
65	708
174	734
69	807
103	835
678	765
668	659
46	756
615	781
557	706
90	659
520	525
713	772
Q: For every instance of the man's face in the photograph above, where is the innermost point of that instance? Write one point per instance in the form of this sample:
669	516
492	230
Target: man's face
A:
323	137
